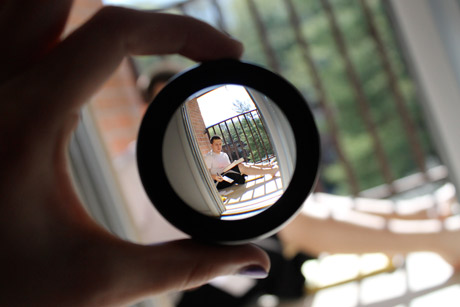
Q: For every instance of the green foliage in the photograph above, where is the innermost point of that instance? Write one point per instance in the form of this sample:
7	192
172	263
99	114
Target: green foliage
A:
356	142
248	131
240	106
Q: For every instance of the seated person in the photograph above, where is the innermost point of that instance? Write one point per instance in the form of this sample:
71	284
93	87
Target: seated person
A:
216	161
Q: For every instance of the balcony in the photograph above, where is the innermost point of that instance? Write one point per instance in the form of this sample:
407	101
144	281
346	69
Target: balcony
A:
347	60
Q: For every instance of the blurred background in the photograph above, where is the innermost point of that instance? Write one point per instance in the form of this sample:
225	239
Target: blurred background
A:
380	76
345	58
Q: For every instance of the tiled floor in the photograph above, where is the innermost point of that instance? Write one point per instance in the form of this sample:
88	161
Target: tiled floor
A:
257	194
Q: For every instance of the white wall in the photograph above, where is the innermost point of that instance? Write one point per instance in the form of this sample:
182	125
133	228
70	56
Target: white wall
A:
430	32
182	169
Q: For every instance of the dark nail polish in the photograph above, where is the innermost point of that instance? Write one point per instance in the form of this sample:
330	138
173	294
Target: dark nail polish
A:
253	271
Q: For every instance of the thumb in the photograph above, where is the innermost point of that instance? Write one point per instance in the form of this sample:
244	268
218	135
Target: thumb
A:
186	264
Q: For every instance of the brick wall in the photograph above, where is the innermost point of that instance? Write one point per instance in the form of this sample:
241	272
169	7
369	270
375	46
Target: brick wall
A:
198	125
117	106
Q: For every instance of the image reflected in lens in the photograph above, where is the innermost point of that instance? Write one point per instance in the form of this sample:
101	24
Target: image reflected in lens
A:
238	152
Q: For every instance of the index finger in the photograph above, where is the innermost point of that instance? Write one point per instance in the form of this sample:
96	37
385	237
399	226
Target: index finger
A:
83	61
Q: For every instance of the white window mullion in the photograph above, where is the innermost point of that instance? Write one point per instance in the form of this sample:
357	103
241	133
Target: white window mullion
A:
95	181
418	23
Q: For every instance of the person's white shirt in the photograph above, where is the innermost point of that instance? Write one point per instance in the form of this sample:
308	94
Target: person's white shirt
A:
216	162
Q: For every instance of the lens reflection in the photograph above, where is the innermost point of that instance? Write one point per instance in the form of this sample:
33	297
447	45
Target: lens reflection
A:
238	150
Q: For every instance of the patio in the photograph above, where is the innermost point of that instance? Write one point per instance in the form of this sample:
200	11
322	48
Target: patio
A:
424	279
251	198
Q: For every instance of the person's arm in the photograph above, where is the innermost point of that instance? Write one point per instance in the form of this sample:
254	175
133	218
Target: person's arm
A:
226	157
217	177
208	159
48	239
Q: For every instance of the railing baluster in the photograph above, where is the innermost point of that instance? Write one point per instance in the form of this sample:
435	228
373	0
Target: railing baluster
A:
406	119
321	94
232	142
255	139
259	135
265	130
214	131
262	31
363	103
224	139
245	135
357	89
239	139
254	130
252	133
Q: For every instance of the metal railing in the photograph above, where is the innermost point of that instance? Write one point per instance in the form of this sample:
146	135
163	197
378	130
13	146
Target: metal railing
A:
320	99
244	136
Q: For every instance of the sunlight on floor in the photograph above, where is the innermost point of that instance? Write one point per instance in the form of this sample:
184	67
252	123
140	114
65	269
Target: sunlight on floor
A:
335	269
423	280
257	194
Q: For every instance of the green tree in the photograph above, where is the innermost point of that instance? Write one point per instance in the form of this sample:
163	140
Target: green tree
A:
316	29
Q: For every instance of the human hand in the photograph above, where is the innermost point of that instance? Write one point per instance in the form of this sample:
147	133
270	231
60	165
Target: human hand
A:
217	178
53	252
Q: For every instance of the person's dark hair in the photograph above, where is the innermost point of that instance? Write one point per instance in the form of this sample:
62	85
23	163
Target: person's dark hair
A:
216	137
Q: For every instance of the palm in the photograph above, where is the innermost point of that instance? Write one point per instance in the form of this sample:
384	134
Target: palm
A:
50	240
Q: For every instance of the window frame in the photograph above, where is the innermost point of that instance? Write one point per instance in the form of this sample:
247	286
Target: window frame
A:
426	30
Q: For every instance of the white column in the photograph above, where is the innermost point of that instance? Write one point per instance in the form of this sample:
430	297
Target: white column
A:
428	30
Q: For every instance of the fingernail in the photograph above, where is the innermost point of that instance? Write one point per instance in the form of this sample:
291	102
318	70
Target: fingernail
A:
227	33
232	37
253	271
